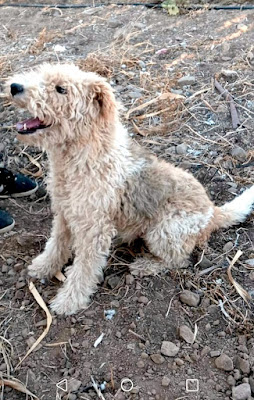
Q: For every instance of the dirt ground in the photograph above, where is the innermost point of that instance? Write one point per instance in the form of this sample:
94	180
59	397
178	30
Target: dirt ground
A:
143	53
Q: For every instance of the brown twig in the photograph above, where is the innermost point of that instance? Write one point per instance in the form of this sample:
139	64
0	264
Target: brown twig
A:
228	97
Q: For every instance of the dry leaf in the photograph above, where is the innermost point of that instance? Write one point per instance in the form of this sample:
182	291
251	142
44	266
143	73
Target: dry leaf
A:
163	96
60	276
242	292
17	385
42	304
33	161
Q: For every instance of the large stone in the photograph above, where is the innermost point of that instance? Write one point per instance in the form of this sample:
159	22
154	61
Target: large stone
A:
169	349
241	392
224	362
190	298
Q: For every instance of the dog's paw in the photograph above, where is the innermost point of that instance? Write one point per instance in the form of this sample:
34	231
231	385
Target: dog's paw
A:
41	268
67	304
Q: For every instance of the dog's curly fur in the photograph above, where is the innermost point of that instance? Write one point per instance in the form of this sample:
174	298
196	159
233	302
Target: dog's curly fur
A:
102	185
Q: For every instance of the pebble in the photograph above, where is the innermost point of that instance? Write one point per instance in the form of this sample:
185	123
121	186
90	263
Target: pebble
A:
157	358
241	392
5	268
70	396
129	279
181	148
205	263
135	94
140	364
251	381
186	334
239	153
165	381
143	299
237	374
187	80
74	385
114	281
179	362
243	365
215	353
190	298
20	285
231	380
250	262
229	73
228	246
205	351
224	362
169	349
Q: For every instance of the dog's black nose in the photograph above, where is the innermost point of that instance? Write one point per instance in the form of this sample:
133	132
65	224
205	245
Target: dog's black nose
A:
16	88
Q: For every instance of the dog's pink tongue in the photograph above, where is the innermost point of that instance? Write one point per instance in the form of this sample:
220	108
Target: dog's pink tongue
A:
31	123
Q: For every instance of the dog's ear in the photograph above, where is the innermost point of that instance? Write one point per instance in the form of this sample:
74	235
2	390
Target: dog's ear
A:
103	101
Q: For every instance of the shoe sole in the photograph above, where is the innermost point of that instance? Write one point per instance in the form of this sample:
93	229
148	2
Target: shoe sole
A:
7	228
22	194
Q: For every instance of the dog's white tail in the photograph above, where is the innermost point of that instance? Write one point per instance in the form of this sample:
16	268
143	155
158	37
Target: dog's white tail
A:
235	211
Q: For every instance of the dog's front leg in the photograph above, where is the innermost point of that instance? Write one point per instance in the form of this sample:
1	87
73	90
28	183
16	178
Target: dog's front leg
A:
91	250
57	251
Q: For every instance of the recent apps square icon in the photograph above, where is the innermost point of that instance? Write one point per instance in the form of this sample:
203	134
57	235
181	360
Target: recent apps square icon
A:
192	385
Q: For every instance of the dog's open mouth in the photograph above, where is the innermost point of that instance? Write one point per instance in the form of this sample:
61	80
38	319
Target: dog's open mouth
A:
30	126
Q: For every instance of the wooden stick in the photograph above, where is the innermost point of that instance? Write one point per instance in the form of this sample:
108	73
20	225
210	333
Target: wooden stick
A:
228	97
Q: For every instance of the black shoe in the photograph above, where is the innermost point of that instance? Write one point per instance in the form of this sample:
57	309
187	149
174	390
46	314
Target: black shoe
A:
6	222
15	185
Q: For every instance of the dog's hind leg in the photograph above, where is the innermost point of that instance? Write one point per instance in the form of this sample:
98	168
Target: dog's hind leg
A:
171	241
91	249
57	251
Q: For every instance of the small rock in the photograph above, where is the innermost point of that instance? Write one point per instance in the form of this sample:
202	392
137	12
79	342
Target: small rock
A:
157	358
5	268
229	74
143	299
231	380
135	94
241	392
165	381
250	262
190	298
205	263
251	381
224	362
239	153
181	148
176	91
215	353
179	362
237	374
140	364
186	334
114	23
243	365
20	285
187	80
74	385
30	342
205	351
129	279
114	281
169	349
227	247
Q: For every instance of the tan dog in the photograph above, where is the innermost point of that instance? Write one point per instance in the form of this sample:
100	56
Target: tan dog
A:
102	184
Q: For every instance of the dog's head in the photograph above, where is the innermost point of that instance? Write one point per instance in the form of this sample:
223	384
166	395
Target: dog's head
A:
65	103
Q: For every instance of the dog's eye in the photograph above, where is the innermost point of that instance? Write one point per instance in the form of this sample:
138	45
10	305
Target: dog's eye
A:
61	90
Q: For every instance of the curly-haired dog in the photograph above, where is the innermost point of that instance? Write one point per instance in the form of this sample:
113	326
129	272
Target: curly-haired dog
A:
102	184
